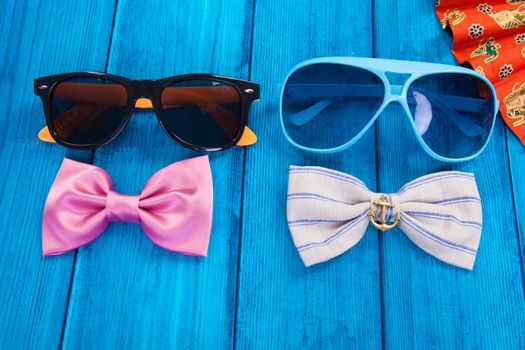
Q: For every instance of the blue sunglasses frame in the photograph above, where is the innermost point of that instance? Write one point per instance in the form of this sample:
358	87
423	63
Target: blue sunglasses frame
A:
392	93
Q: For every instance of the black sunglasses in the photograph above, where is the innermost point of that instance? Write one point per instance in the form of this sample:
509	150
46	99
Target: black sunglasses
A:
202	112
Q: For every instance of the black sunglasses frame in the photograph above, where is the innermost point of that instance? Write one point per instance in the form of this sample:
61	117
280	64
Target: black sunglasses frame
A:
149	89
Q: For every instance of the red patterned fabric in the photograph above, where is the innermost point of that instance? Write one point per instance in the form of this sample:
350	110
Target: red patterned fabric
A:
490	35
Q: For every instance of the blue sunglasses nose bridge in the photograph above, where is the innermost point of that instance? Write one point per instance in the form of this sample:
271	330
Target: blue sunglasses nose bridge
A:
396	91
395	95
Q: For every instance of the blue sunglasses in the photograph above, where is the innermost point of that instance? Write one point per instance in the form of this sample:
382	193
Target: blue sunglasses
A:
451	109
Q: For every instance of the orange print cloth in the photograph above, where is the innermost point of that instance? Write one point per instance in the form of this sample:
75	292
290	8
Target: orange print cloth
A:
490	36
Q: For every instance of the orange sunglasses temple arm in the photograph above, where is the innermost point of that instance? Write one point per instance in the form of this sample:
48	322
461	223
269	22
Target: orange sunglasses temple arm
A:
248	136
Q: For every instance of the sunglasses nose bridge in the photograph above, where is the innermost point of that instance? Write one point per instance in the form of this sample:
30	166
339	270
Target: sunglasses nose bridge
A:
143	89
396	91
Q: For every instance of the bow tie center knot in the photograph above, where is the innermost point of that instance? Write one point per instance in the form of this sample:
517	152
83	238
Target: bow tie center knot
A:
122	207
384	211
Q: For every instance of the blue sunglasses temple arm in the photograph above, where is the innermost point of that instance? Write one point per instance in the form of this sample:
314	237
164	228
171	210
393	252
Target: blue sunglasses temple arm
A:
336	92
466	125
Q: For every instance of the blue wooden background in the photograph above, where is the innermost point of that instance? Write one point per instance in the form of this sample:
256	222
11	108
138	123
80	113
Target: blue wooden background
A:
253	291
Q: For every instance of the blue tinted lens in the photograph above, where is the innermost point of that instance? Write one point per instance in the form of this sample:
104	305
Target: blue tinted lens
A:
453	113
326	105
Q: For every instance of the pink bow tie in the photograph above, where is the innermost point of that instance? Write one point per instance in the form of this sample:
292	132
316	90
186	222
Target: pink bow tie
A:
174	208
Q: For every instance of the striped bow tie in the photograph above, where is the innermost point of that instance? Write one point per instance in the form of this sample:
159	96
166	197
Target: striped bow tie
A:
329	211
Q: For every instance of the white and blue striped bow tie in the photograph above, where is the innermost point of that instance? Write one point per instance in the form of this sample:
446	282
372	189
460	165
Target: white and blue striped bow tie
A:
329	211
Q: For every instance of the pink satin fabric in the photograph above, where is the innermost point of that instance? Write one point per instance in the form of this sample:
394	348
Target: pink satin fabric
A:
174	208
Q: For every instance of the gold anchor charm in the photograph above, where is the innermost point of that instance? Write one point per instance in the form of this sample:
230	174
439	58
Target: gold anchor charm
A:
380	216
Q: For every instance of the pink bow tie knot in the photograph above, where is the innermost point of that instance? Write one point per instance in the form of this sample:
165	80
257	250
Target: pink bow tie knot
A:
122	207
174	208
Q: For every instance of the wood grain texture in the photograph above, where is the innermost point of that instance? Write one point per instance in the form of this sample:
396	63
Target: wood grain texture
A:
252	291
517	161
127	292
36	39
428	304
281	304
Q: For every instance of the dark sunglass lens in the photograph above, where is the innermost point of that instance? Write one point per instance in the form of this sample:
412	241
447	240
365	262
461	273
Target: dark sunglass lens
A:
452	112
325	105
87	111
202	113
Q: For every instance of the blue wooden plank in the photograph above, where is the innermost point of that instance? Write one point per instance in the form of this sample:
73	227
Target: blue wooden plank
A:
281	304
37	38
428	304
517	167
127	292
